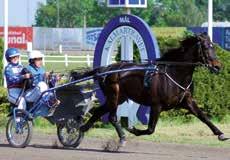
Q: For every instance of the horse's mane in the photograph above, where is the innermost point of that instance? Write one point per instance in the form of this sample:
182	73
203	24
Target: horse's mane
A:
177	54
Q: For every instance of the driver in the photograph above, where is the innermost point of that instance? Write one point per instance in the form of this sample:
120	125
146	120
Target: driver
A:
39	76
15	78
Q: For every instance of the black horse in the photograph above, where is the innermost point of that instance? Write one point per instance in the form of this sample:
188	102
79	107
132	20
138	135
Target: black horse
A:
169	85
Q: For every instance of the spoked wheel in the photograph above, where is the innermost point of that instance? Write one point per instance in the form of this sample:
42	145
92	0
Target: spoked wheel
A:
69	133
18	135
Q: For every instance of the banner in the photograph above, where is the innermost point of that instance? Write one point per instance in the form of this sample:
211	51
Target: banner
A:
221	35
90	38
18	36
227	38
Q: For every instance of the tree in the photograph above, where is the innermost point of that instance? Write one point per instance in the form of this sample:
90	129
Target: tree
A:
220	9
72	13
159	12
181	13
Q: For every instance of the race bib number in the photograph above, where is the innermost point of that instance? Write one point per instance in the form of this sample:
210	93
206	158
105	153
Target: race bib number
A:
16	70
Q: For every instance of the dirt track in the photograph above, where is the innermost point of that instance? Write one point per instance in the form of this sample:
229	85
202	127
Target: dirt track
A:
45	148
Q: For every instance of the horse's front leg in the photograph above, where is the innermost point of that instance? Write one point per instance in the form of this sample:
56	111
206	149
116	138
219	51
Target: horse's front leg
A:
192	106
153	119
113	120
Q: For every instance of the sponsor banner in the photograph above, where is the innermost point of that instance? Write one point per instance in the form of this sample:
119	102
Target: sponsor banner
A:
91	37
18	36
221	35
227	38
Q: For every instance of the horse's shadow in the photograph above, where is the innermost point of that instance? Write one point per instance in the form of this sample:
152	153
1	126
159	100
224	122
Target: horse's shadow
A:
75	149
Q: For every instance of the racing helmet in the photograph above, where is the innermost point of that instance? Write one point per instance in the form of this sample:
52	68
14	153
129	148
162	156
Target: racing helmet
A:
35	54
11	52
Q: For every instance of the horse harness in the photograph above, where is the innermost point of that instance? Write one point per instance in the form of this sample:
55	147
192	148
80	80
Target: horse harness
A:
154	69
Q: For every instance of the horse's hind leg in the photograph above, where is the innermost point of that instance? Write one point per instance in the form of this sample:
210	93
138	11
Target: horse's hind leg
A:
192	106
98	112
153	119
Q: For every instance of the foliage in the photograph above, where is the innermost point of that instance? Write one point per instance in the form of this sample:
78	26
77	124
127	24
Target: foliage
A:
72	12
180	13
3	100
212	91
158	13
136	54
4	105
175	32
220	9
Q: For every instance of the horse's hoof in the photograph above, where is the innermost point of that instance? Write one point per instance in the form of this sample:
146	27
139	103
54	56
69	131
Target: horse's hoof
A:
122	142
222	137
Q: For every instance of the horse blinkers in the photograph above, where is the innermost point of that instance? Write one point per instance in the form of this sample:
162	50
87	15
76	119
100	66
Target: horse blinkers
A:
207	55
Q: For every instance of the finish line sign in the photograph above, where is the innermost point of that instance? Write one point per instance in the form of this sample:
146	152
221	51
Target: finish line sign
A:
128	3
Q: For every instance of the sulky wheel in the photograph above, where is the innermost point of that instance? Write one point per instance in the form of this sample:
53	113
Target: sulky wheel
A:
69	133
19	134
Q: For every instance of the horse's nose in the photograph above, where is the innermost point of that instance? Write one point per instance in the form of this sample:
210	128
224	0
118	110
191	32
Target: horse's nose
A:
216	66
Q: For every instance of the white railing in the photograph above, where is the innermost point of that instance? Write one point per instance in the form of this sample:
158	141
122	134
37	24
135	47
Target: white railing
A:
66	59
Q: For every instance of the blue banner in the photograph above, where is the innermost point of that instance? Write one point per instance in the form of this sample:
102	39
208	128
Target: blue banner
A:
221	35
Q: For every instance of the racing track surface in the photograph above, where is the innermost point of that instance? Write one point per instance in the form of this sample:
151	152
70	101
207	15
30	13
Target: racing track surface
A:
45	147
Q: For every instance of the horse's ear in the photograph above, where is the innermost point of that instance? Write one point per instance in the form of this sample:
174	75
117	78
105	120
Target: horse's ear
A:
201	36
204	34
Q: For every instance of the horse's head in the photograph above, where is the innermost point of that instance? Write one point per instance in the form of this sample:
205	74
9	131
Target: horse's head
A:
203	51
207	54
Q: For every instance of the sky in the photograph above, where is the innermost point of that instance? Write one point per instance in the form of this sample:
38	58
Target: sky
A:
21	12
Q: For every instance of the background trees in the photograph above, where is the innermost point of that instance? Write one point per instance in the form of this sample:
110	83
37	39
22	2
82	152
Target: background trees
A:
159	13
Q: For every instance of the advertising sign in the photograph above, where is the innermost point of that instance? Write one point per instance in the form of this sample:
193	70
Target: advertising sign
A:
227	38
18	36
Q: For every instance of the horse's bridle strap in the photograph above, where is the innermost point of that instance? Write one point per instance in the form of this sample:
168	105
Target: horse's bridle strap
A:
177	84
185	89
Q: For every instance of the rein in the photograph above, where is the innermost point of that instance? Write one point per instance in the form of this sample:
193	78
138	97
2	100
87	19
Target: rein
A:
185	89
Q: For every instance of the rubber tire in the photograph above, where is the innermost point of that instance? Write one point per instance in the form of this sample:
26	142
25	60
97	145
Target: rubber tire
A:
76	144
28	138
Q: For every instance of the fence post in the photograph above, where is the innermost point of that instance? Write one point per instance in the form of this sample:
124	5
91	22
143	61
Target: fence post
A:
60	49
29	46
66	60
20	60
88	60
43	61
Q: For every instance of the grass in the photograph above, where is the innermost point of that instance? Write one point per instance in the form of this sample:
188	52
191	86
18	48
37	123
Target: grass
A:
173	132
168	31
167	131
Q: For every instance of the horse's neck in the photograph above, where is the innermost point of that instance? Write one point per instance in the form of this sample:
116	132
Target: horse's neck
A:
181	74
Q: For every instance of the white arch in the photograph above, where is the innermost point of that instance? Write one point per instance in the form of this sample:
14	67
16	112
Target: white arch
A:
115	36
